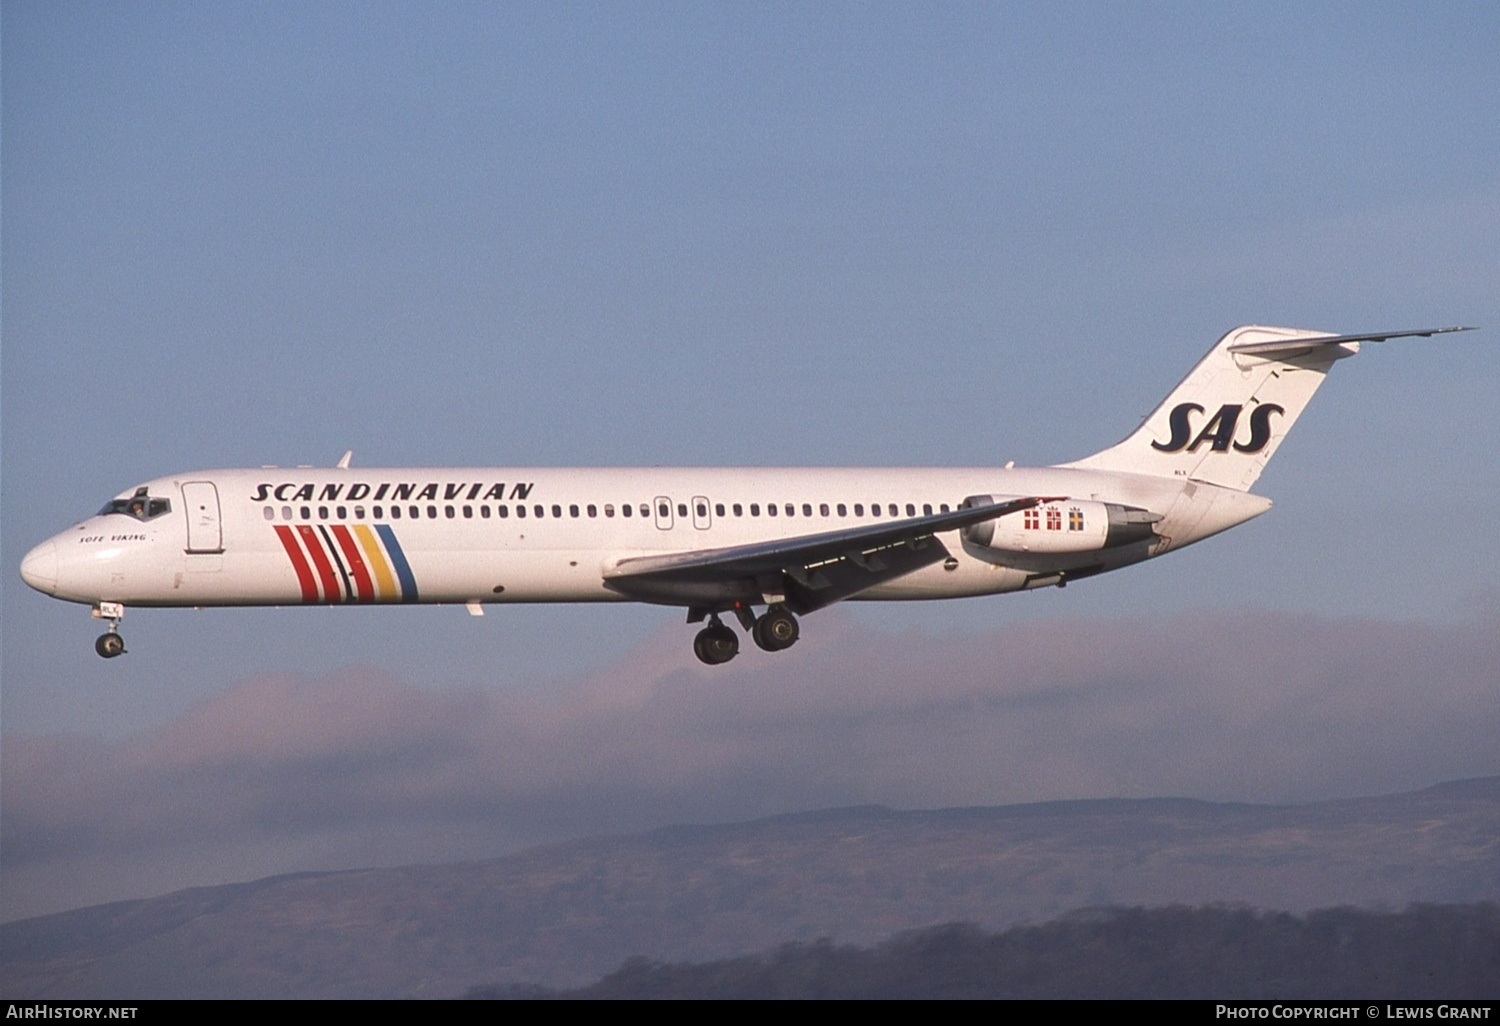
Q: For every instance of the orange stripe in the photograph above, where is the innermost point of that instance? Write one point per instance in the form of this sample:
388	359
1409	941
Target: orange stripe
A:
385	582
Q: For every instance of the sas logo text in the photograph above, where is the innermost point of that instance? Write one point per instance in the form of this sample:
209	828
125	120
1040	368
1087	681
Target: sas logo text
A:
1219	432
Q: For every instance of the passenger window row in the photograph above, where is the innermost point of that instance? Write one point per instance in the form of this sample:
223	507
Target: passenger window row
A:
574	511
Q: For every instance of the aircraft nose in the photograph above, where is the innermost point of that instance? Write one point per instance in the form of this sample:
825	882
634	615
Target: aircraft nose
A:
39	568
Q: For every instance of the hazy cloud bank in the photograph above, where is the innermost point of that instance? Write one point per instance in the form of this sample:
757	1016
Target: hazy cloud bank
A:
281	773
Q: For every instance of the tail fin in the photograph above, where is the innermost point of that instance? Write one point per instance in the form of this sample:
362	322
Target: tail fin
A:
1225	420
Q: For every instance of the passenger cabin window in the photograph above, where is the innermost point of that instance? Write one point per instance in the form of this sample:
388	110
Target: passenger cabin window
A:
140	506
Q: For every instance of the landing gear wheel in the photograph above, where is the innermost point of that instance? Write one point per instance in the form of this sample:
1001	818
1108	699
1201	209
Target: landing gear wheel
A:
716	644
110	645
776	629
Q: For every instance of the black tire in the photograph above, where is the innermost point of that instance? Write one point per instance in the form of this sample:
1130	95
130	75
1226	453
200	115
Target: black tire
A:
777	629
110	645
723	644
716	645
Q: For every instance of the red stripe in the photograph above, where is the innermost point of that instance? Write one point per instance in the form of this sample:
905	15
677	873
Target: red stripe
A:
331	590
299	564
356	562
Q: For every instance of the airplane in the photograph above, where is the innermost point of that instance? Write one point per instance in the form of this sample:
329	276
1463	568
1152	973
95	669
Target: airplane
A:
716	541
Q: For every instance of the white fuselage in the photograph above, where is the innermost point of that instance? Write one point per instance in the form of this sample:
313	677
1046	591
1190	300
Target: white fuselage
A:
283	536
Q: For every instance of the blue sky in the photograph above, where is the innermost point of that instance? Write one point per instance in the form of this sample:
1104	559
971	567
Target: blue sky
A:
637	234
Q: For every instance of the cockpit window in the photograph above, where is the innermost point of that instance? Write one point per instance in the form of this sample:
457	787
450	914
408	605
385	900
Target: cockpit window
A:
141	506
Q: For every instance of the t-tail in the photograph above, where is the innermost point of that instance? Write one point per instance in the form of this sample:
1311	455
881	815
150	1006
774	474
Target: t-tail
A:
1223	423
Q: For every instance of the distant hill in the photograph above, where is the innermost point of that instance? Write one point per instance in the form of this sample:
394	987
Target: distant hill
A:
1426	952
566	914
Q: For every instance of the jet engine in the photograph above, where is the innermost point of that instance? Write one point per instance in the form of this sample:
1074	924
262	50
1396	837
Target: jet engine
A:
1060	527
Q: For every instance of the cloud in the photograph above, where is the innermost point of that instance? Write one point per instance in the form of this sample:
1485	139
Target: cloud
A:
287	772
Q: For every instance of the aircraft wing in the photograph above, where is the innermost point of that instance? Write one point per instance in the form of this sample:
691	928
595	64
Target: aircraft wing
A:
811	571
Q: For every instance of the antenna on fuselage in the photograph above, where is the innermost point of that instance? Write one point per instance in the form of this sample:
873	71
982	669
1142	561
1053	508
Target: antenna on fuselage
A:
344	461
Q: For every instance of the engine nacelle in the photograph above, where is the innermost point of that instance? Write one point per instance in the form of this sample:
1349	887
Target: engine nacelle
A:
1066	526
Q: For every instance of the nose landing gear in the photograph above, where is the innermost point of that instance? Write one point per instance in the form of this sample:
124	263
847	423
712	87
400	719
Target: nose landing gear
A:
110	644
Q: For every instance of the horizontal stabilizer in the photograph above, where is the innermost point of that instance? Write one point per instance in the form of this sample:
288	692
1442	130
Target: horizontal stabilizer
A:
1298	345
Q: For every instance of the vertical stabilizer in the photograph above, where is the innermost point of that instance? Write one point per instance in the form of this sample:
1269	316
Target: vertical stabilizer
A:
1227	417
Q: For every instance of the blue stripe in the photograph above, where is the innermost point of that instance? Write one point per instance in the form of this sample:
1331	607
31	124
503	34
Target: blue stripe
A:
398	562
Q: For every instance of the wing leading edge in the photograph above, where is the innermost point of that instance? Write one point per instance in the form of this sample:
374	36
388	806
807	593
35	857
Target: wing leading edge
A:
805	573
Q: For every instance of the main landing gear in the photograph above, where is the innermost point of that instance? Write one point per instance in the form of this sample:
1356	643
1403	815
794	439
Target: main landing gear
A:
773	630
110	644
716	643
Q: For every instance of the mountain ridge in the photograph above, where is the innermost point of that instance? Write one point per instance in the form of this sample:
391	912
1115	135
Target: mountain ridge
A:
564	914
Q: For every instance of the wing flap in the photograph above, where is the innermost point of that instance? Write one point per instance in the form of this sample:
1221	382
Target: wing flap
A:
812	570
